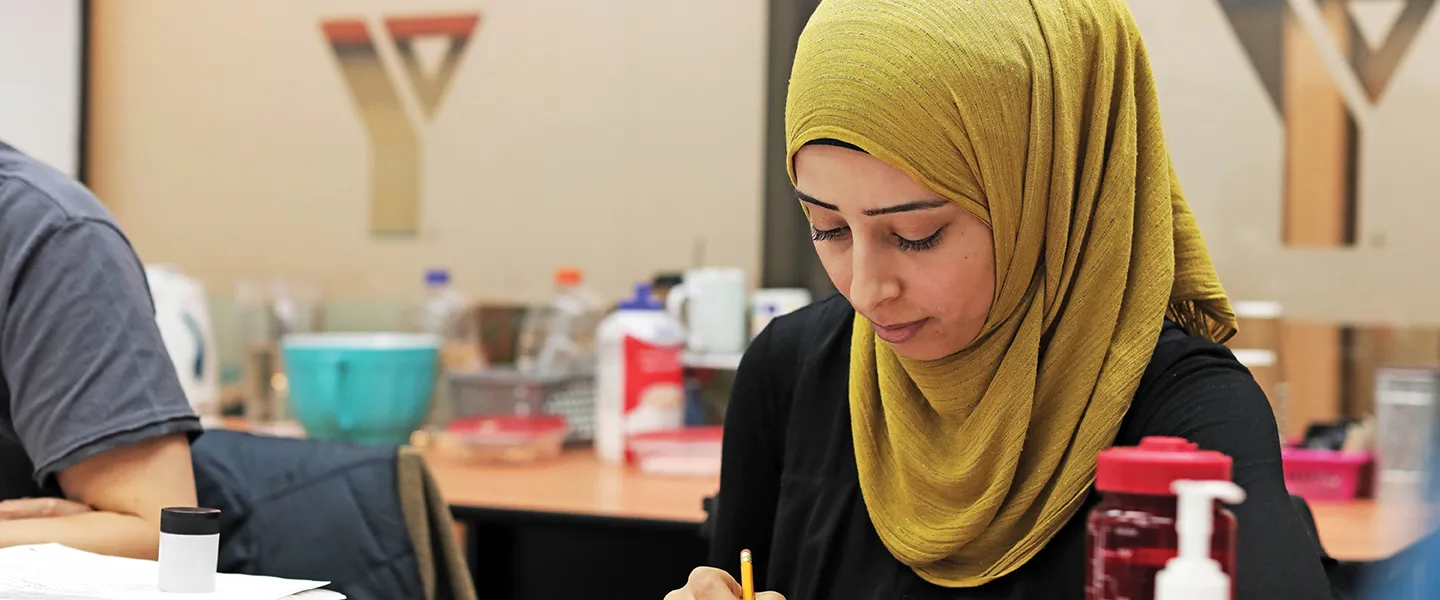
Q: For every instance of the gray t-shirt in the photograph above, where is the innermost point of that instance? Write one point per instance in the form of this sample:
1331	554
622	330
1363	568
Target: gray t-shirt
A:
83	369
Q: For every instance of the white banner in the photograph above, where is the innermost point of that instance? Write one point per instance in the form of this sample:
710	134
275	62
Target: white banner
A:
40	72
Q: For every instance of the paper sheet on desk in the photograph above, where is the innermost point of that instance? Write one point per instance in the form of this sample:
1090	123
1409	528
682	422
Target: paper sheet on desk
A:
56	572
317	595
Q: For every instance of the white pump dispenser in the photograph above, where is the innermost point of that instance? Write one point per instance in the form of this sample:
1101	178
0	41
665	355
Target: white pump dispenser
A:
1193	574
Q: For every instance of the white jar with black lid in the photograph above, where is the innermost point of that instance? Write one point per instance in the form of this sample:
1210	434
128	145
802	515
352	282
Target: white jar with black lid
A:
189	549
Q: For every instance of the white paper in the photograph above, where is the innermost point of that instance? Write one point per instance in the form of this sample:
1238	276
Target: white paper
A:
317	595
56	572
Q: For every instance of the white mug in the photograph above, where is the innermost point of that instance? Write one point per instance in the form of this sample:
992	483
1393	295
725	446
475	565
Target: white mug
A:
710	302
769	303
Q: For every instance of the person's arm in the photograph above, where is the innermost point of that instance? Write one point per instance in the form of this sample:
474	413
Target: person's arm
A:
751	461
94	397
1210	399
126	487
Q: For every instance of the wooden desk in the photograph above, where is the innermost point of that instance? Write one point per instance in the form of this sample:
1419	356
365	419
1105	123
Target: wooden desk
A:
577	484
603	527
618	529
1368	530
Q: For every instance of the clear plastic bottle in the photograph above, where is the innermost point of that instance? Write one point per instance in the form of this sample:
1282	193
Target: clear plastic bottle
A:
558	337
1132	534
441	304
443	314
639	387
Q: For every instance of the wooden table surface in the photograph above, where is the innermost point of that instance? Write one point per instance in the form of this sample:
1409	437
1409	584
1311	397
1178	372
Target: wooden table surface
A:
577	483
1364	530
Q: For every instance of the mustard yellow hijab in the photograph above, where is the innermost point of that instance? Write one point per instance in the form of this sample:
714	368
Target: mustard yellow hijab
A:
1040	117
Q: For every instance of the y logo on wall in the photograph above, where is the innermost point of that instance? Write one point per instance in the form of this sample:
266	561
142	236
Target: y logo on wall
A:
1325	65
394	134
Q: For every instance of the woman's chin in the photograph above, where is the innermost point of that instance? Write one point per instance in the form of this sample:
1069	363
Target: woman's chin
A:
928	346
918	349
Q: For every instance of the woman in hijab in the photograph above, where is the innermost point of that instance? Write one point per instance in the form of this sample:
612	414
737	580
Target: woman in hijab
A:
1022	285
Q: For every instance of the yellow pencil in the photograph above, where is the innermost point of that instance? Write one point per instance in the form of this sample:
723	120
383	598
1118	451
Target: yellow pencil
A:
747	576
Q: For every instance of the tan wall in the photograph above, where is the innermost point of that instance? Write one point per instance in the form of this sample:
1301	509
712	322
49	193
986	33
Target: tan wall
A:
610	135
1227	142
614	136
1269	210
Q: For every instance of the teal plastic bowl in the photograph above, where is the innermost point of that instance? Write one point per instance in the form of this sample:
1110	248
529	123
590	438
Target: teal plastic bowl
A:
366	388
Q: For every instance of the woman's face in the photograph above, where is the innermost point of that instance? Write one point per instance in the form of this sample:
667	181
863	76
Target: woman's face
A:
919	267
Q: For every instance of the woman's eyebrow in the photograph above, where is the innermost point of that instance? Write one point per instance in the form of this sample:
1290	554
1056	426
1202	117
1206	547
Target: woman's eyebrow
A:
906	207
808	199
875	212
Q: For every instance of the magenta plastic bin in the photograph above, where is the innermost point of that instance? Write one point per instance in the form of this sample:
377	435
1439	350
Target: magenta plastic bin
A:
1328	475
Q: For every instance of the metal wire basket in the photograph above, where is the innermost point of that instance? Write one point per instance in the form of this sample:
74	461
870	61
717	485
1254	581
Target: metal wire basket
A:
511	392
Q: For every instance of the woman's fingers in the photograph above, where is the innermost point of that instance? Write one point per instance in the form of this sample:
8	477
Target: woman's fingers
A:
713	584
707	584
40	508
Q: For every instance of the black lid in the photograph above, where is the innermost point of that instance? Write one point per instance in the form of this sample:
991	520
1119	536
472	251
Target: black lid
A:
190	521
667	280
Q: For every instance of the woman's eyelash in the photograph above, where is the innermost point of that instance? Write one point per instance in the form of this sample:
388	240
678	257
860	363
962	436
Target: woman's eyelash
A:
909	245
821	235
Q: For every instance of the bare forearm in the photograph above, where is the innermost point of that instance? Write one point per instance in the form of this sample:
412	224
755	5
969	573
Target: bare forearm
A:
102	532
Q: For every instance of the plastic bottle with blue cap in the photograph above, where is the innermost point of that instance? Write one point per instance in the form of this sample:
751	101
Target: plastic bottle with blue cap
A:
442	305
639	384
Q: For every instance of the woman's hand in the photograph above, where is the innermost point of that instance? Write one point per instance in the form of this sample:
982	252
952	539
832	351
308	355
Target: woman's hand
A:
40	508
713	584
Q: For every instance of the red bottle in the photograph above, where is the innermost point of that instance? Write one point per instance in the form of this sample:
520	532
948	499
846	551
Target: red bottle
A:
1131	533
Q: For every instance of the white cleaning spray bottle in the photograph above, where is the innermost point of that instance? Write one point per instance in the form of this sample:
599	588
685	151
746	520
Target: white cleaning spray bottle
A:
1193	574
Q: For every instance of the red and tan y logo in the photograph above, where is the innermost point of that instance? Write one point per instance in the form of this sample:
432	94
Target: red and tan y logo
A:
394	137
1325	64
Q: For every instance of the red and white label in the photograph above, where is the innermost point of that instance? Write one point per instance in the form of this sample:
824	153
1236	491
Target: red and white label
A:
654	397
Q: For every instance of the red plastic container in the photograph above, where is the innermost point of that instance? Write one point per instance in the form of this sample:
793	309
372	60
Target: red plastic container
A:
692	451
1131	533
502	438
1328	475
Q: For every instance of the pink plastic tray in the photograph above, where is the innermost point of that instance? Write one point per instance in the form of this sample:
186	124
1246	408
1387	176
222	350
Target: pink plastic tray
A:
1327	475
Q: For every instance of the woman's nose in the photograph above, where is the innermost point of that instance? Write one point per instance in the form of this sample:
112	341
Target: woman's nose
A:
872	281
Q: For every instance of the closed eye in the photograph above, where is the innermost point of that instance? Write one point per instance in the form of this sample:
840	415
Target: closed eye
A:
921	245
822	235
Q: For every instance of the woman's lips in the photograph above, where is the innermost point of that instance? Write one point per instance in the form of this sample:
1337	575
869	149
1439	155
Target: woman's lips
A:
900	332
